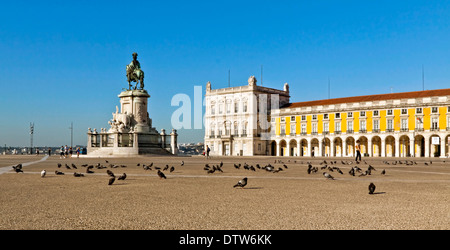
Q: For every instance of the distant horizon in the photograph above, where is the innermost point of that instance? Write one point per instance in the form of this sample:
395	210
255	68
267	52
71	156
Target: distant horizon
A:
64	62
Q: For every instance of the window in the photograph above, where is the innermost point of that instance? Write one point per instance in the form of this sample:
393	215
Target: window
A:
390	124
228	108
389	112
338	115
303	131
303	117
244	129
448	122
325	116
337	126
292	118
293	129
362	113
325	127
419	123
314	128
236	129
349	126
376	125
434	109
362	125
227	129
283	129
236	107
220	108
419	110
350	114
404	111
213	110
434	123
404	124
245	107
314	117
283	119
375	113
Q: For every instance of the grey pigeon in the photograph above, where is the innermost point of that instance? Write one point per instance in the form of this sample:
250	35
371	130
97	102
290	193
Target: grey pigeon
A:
242	183
328	176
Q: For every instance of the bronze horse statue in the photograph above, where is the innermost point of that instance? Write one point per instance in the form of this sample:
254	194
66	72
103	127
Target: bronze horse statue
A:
134	73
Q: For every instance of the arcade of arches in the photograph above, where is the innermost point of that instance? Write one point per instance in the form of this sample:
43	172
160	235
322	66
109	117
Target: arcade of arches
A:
398	145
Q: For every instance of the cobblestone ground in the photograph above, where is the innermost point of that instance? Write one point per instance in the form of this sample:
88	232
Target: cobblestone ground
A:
413	196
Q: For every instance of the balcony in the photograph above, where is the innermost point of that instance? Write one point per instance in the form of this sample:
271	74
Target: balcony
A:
337	132
303	133
404	130
434	129
389	130
326	132
349	131
376	130
362	131
418	129
313	133
292	134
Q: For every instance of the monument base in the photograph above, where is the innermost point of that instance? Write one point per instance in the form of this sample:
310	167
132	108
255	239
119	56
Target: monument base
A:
131	131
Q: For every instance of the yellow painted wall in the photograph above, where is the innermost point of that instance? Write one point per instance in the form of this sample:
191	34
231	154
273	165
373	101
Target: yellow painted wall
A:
412	119
331	123
277	126
356	121
382	120
426	118
397	124
308	124
442	117
288	125
319	123
369	121
343	122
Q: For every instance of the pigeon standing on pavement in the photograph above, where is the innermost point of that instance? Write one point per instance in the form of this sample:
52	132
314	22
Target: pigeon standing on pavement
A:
161	174
242	183
328	176
371	188
43	172
122	177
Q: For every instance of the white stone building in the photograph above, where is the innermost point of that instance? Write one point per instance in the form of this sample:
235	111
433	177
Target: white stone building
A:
237	119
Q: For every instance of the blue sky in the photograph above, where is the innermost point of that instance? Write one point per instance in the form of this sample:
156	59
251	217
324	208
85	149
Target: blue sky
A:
64	61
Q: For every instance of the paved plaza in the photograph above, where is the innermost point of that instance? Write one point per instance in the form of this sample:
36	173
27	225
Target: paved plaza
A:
415	196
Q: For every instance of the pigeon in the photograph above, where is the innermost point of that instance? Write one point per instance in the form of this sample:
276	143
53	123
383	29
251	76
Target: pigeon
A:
309	168
18	168
242	183
43	172
110	173
328	176
172	169
182	163
58	172
89	171
122	177
111	180
371	188
59	165
166	167
383	172
352	172
161	174
78	174
73	166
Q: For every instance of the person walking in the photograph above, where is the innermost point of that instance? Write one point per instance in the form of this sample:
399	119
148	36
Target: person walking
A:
78	152
358	151
207	152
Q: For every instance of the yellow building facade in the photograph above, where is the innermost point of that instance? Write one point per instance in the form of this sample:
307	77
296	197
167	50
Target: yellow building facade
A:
409	124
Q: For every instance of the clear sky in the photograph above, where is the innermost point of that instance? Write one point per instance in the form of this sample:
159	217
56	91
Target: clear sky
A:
64	61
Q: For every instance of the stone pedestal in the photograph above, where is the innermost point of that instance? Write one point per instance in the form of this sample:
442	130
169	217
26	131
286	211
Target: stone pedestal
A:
131	131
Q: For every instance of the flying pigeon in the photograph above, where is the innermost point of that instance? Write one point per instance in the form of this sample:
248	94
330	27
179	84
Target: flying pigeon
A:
371	188
242	183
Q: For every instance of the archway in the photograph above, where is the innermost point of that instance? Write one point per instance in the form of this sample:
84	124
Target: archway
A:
273	148
293	147
376	146
364	145
337	146
390	146
435	145
326	147
314	147
283	148
303	147
419	146
350	146
404	146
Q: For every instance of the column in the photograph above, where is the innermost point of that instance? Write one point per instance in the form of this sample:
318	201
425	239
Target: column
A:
163	138
427	147
320	147
309	147
397	147
369	146
298	148
278	148
331	147
442	148
411	147
383	147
